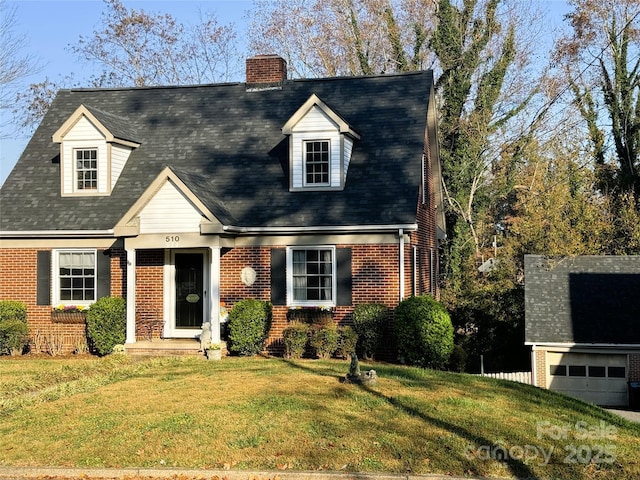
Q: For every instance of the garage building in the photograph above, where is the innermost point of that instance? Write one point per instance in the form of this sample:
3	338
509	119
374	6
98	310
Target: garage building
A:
582	321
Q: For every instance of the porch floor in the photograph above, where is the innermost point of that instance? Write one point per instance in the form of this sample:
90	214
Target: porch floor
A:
164	346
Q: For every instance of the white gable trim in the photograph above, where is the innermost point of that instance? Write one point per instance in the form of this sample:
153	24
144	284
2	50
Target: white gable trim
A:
315	101
130	223
76	116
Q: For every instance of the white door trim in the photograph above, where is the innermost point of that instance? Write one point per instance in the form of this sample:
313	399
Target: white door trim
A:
170	330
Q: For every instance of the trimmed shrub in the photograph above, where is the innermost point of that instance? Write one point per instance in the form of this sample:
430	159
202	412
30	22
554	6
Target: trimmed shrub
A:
14	333
324	340
369	320
424	332
296	337
14	336
106	324
347	341
13	310
249	324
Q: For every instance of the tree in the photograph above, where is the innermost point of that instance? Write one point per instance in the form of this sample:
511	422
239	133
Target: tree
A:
600	60
321	38
475	54
14	66
137	48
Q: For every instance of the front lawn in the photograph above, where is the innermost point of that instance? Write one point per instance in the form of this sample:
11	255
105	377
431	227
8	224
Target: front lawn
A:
256	413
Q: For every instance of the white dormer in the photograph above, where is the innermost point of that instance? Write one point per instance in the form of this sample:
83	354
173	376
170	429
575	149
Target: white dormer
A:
320	146
94	148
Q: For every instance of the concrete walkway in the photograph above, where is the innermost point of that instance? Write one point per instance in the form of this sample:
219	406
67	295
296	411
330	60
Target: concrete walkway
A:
628	414
19	473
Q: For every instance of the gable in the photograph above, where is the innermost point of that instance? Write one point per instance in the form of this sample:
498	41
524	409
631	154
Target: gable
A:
321	145
93	134
167	205
169	210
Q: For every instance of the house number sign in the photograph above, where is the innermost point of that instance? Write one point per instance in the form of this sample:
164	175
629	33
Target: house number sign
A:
172	238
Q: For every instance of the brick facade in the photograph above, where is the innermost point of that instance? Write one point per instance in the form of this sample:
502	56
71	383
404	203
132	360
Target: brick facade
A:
374	270
18	281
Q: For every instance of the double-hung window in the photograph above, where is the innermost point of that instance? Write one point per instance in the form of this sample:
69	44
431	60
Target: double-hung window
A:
75	276
316	162
86	169
312	276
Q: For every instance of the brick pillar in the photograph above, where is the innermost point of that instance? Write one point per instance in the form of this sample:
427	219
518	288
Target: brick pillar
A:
634	367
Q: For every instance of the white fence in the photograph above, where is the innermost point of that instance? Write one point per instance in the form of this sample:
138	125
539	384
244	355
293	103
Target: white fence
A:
522	377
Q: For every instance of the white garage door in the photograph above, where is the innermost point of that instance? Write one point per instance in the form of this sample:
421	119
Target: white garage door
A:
595	378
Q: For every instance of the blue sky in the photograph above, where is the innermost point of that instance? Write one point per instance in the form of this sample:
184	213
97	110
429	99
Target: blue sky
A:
51	25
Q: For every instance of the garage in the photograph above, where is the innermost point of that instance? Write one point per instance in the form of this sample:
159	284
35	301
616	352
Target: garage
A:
593	377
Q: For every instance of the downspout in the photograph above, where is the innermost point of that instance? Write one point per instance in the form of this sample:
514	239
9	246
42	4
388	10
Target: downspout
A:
401	269
534	369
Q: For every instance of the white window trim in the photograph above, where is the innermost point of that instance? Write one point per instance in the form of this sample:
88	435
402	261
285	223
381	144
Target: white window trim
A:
304	163
55	275
334	279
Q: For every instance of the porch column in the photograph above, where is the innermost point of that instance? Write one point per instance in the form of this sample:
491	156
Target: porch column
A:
131	296
214	289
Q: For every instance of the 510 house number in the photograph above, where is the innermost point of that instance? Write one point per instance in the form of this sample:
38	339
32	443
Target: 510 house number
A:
172	239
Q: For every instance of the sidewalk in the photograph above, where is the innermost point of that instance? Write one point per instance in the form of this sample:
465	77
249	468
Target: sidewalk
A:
15	473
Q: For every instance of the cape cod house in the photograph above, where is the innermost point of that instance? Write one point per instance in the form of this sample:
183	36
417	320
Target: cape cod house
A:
582	323
183	200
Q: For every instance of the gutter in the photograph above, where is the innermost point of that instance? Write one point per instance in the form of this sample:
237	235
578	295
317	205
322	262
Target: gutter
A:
320	229
57	233
592	345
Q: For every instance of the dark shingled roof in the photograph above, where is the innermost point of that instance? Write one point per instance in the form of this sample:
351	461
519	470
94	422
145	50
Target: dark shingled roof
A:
226	145
584	299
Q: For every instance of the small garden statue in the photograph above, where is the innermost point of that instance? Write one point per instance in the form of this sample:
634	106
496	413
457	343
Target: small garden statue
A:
356	376
205	336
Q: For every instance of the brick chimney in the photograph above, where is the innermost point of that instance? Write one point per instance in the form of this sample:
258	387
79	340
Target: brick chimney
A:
266	71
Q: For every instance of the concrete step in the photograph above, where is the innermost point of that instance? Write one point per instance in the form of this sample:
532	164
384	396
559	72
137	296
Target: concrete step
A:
164	347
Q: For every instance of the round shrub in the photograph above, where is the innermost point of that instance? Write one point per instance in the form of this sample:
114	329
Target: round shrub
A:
424	332
249	324
13	310
324	340
106	324
369	320
347	341
295	336
14	336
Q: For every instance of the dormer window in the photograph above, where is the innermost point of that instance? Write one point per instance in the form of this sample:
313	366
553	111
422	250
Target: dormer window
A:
320	147
94	148
316	163
87	169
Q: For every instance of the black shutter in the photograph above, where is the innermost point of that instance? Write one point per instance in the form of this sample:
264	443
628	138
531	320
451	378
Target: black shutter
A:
43	291
344	281
278	276
104	274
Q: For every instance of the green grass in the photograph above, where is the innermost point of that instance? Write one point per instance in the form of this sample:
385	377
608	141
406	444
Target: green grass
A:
256	413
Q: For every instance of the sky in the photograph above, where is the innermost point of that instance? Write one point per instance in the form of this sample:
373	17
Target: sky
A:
50	26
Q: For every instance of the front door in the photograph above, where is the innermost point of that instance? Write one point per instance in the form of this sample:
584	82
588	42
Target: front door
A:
189	290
